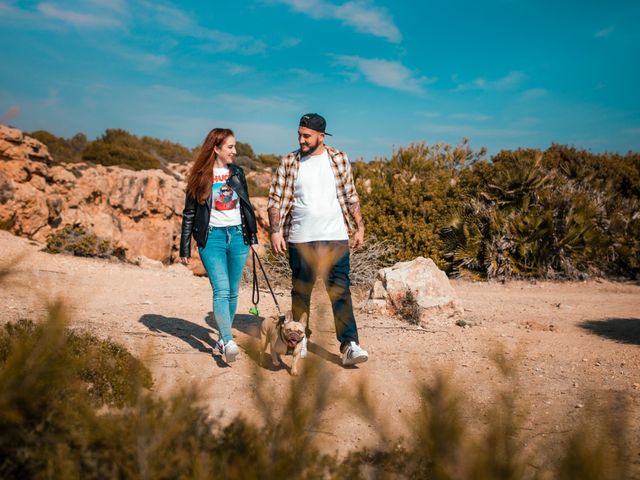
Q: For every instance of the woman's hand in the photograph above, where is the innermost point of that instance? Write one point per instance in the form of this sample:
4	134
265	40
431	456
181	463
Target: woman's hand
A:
185	260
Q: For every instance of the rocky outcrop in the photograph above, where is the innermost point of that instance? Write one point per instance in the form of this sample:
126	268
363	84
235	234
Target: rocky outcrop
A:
15	145
140	211
431	289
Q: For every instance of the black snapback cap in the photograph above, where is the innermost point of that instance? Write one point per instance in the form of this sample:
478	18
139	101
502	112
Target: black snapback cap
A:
314	122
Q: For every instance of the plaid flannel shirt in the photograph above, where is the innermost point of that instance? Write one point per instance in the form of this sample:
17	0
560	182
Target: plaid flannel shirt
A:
283	182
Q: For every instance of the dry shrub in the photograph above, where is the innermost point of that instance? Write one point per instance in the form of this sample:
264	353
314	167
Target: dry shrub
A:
76	240
51	425
409	310
367	260
364	262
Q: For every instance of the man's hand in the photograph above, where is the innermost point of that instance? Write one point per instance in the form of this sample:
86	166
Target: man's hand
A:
278	243
185	260
358	238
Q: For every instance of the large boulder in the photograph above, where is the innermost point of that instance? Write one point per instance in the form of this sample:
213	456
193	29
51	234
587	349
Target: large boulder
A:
429	286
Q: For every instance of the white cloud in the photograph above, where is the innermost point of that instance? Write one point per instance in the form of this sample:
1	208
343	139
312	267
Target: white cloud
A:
534	93
605	32
305	75
475	117
236	69
77	19
509	81
117	5
178	21
366	18
361	15
429	114
244	102
289	42
386	73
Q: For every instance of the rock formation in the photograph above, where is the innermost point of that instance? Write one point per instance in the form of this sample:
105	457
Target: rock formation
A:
140	211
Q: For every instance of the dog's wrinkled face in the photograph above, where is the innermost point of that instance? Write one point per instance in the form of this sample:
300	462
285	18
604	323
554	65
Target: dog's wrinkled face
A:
293	332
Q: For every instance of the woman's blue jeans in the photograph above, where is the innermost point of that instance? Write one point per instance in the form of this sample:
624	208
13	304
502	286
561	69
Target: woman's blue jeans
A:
224	257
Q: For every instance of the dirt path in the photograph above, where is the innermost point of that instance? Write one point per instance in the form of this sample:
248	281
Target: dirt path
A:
573	341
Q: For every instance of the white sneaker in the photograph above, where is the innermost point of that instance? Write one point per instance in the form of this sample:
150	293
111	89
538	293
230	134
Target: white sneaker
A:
230	350
354	354
303	350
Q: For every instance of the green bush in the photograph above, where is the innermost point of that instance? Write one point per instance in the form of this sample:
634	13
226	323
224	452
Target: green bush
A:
110	154
62	150
75	240
160	150
407	199
111	374
114	147
559	213
552	214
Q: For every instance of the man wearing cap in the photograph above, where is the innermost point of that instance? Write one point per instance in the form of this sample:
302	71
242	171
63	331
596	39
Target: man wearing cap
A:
313	209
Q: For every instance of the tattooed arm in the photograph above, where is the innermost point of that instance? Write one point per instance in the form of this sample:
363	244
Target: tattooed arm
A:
277	239
276	192
358	237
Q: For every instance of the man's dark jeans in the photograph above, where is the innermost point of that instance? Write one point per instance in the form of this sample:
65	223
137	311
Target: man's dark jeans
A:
330	259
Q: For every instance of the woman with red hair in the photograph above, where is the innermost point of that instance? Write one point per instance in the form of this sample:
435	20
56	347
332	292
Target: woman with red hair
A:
219	215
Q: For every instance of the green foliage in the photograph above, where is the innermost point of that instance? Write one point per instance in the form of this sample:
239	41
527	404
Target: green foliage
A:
245	150
75	240
406	199
8	223
62	150
269	160
114	147
161	150
256	190
109	154
561	213
545	214
110	373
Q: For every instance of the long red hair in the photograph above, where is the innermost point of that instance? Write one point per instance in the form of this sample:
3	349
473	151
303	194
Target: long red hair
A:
199	180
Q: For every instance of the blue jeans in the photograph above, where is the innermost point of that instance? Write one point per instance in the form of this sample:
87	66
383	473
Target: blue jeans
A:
223	258
330	258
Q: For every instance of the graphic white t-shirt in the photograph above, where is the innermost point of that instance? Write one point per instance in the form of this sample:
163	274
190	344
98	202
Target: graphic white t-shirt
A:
316	213
225	211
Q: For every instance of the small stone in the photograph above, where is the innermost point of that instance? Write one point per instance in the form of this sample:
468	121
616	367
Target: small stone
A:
578	405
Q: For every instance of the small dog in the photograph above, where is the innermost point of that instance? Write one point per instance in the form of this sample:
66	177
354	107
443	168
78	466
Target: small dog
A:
283	337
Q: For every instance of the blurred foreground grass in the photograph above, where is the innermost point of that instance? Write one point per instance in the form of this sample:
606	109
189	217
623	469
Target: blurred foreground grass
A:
74	406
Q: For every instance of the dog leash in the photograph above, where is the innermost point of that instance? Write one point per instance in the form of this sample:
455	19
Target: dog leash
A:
255	294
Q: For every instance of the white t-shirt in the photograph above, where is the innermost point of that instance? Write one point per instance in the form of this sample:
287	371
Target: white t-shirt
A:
225	208
316	213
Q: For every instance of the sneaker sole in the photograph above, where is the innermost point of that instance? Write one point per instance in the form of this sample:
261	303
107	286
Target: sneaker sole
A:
230	357
354	361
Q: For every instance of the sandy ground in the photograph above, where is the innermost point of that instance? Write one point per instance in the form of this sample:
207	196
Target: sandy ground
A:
575	345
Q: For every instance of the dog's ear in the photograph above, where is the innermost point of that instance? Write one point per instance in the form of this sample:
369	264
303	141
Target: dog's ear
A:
288	316
304	318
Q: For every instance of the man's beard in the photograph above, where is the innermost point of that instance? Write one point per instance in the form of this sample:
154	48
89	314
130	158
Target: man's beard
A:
309	148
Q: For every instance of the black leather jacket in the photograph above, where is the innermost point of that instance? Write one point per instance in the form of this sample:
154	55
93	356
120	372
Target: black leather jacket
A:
195	216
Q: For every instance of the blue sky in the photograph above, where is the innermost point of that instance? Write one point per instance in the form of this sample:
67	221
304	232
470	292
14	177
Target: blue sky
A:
504	73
